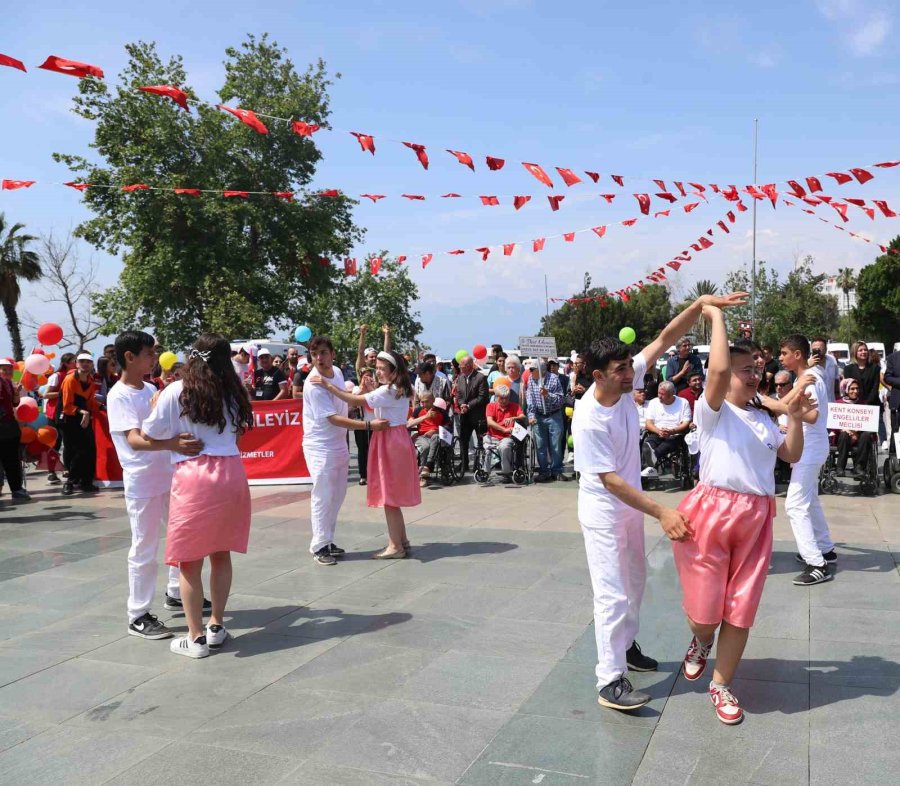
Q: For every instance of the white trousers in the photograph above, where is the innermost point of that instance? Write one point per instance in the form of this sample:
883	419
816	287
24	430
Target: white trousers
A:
148	517
618	567
807	517
329	476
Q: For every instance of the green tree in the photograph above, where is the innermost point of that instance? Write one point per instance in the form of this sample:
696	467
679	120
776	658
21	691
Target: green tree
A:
703	287
235	266
576	325
878	296
17	263
846	280
388	298
738	280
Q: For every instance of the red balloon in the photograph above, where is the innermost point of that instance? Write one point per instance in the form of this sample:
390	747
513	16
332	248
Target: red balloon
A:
49	333
27	411
479	352
28	381
28	435
35	448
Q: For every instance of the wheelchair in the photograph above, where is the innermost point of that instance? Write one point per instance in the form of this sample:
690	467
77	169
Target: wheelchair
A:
891	468
867	474
448	462
678	464
523	461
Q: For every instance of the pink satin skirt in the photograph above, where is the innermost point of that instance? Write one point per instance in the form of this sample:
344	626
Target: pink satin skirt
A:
393	474
723	567
209	509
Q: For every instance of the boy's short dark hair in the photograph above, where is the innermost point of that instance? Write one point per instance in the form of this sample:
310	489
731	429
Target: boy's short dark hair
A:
694	374
819	339
749	344
796	342
425	368
131	341
602	352
318	342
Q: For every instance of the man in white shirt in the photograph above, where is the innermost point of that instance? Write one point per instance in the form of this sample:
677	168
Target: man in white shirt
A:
611	504
819	355
668	420
640	402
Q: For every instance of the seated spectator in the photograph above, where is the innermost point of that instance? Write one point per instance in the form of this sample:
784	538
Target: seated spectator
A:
513	368
855	443
428	381
693	391
640	401
502	416
426	422
668	420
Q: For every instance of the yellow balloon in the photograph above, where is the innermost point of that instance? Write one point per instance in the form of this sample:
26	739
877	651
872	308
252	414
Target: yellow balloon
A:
570	411
167	360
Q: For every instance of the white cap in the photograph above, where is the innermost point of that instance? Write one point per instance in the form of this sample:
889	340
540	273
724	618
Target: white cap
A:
7	362
85	356
262	352
370	351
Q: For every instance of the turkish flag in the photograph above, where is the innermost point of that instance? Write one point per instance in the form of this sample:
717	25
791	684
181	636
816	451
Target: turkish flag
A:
667	196
71	67
742	208
841	208
304	129
494	163
508	248
520	200
78	186
659	213
568	176
698	187
684	257
674	265
375	265
731	194
456	252
195	192
247	117
554	201
887	164
12	185
569	237
608	197
401	259
854	201
350	267
884	208
731	216
599	231
484	253
238	194
6	60
537	245
704	242
690	206
420	153
464	158
680	186
373	197
329	192
489	200
644	202
619	179
175	93
450	196
136	187
539	173
723	227
414	197
799	191
366	141
595	176
630	222
660	184
840	177
287	196
862	175
870	212
770	191
814	184
426	258
754	192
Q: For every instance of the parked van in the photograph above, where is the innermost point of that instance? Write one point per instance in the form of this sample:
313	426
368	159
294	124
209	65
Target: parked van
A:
878	346
275	347
841	352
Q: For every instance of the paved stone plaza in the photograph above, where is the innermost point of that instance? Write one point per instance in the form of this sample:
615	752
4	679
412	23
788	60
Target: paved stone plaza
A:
471	662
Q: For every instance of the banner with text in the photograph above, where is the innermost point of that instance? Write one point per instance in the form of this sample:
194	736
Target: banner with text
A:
853	417
272	451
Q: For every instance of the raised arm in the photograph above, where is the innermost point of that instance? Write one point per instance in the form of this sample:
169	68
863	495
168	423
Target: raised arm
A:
361	349
718	372
386	329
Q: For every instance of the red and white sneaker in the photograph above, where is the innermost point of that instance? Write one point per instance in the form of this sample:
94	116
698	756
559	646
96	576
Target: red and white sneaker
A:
695	659
727	708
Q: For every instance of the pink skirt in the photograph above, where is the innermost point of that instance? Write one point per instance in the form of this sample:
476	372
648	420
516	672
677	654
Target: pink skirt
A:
209	510
723	567
393	475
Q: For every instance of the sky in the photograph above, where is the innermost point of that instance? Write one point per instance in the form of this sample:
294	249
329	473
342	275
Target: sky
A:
647	90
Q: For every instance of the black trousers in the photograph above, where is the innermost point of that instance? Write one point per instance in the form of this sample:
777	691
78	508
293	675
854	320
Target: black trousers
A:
12	465
82	450
362	452
469	424
860	451
663	447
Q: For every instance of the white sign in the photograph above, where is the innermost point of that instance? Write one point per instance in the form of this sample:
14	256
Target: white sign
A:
519	432
538	346
445	435
853	417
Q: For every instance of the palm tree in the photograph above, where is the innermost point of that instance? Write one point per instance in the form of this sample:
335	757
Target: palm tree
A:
16	263
846	280
702	287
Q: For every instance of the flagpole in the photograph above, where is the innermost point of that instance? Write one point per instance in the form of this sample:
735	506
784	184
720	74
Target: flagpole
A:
753	267
546	297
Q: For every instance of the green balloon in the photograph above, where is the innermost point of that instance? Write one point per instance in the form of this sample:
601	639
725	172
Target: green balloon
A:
571	442
460	354
627	335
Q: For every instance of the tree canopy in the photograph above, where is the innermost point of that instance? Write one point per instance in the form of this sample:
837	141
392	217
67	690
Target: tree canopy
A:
234	266
878	297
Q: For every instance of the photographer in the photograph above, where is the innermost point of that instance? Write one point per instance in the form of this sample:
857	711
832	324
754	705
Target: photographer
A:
818	354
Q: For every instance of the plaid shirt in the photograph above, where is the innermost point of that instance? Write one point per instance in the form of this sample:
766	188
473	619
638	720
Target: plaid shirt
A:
537	404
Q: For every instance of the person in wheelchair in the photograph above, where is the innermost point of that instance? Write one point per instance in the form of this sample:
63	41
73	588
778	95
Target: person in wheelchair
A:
502	417
858	444
425	425
668	420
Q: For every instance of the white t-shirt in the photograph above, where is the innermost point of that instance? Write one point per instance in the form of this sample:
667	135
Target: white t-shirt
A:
386	405
737	448
669	415
815	435
641	410
146	473
607	439
319	434
241	369
166	422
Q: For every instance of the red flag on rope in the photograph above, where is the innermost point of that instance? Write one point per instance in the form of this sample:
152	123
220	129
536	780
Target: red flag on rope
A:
247	117
659	213
799	191
12	185
674	265
724	227
608	197
456	252
484	253
862	175
555	200
568	176
329	192
620	181
690	206
168	91
304	129
660	184
667	196
539	173
629	222
884	208
287	196
401	259
841	208
770	191
489	200
644	202
887	164
680	186
450	196
464	158
78	186
494	163
704	242
814	184
373	197
375	265
595	176
366	141
599	231
350	267
194	192
6	60
71	67
426	258
569	237
537	245
508	248
518	201
840	177
420	153
414	197
238	194
136	187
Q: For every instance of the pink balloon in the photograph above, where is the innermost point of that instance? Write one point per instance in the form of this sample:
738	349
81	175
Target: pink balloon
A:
37	364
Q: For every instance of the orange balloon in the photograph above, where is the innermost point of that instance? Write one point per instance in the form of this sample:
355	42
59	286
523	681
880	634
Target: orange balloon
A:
502	381
47	436
28	435
20	365
50	355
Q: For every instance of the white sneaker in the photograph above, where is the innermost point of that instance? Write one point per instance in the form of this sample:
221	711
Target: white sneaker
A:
216	635
649	472
191	649
885	445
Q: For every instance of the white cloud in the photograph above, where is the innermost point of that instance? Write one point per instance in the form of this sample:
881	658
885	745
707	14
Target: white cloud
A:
862	27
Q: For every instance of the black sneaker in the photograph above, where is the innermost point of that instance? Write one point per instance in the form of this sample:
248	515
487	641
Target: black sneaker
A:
175	604
89	488
561	477
335	551
830	558
20	494
814	575
52	477
544	479
68	489
149	627
323	556
637	661
619	695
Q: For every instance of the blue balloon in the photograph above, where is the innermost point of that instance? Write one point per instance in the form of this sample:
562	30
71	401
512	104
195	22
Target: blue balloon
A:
41	420
302	333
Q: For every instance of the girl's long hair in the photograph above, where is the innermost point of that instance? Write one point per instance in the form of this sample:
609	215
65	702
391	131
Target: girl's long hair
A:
210	386
64	361
401	377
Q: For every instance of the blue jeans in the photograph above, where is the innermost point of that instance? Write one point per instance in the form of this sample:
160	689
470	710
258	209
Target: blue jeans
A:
548	432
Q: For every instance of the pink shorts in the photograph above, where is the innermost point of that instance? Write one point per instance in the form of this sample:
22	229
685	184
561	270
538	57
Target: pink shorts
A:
723	567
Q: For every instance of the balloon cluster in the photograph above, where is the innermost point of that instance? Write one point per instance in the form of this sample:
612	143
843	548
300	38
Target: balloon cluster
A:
32	374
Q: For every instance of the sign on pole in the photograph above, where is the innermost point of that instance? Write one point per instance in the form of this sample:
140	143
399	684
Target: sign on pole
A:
853	417
538	346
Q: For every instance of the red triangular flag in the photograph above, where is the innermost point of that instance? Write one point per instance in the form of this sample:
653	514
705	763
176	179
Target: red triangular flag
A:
630	222
814	184
855	201
723	227
449	196
464	158
239	194
674	265
595	176
247	117
71	67
660	184
568	176
489	200
508	248
680	186
884	208
704	242
554	201
862	175
599	231
690	206
12	185
537	245
366	141
375	265
457	252
667	196
870	212
608	197
287	196
373	197
841	209
420	153
539	173
770	191
401	259
78	186
484	253
6	60
136	187
619	180
644	202
413	197
659	213
426	258
329	192
520	200
494	163
569	237
304	129
176	94
840	177
187	191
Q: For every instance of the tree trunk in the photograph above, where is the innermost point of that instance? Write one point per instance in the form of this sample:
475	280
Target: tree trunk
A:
15	334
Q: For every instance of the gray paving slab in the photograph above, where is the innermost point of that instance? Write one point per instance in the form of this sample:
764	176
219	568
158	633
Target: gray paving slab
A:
846	663
526	638
14	731
857	625
333	775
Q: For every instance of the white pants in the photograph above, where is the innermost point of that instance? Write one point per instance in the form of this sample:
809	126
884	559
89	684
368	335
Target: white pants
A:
329	476
148	517
615	554
807	517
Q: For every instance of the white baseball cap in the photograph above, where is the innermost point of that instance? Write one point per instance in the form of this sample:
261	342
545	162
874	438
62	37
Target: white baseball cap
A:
262	352
85	356
7	362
